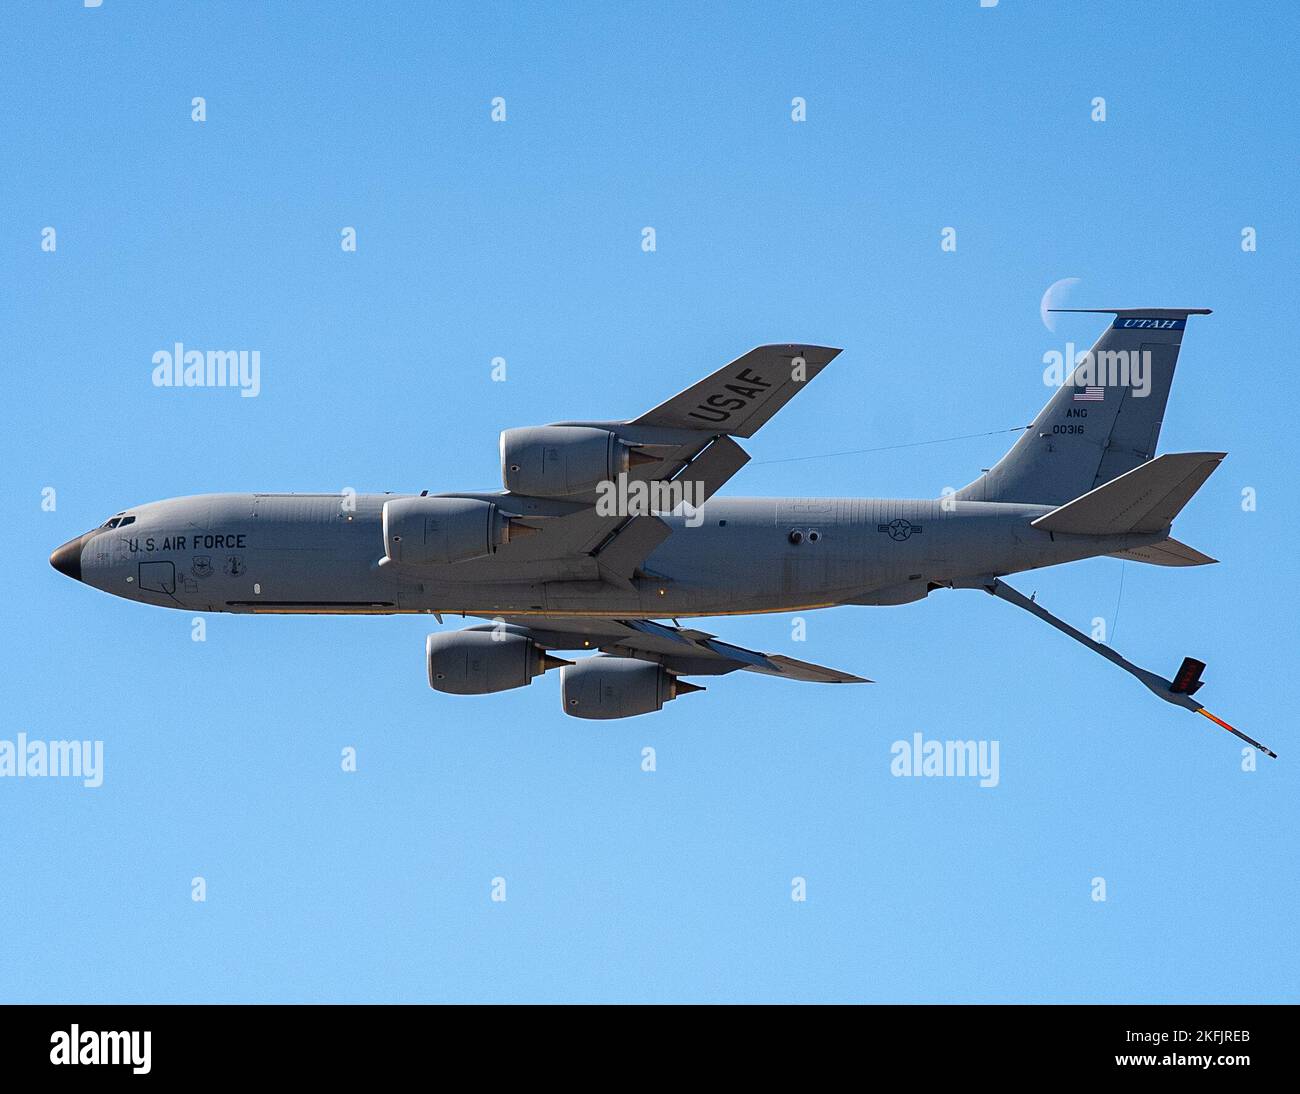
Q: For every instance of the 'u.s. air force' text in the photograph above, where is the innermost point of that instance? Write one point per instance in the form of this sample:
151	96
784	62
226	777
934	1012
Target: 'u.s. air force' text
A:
209	541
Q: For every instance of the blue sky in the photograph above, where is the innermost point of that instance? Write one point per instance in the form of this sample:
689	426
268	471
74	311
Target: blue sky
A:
522	240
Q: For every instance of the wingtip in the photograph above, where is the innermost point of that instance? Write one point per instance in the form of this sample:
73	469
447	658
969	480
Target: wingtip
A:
803	347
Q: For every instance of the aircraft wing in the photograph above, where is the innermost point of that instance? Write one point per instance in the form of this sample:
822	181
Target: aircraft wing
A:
687	439
680	650
742	396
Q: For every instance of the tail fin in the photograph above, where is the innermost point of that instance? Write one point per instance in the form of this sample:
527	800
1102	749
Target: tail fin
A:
1102	422
1145	499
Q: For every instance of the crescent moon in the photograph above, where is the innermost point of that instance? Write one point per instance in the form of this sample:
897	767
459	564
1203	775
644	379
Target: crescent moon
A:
1054	297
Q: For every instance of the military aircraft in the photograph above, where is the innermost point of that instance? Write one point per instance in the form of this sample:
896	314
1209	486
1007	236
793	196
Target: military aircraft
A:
607	532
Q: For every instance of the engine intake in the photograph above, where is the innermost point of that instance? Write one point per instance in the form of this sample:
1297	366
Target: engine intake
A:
445	530
554	461
481	662
618	687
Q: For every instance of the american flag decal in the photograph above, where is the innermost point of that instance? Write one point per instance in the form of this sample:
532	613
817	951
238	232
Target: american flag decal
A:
1090	395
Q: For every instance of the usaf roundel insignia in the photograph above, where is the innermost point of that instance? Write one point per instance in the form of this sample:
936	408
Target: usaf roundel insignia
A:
898	528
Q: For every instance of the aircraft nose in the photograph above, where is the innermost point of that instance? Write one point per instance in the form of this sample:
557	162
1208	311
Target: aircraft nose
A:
67	559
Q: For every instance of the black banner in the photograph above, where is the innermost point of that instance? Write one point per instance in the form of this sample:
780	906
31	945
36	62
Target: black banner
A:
338	1043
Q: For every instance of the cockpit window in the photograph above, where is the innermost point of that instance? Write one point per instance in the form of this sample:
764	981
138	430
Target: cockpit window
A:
126	521
118	521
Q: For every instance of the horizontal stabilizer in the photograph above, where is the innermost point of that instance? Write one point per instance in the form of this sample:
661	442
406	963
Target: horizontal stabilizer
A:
1169	552
1145	499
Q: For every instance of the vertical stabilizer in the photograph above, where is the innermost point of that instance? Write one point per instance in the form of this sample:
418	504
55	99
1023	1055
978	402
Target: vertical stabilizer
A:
1103	421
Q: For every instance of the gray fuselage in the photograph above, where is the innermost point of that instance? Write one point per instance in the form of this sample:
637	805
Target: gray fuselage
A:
319	553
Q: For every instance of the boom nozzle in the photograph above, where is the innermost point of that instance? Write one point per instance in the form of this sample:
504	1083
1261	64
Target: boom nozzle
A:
1237	732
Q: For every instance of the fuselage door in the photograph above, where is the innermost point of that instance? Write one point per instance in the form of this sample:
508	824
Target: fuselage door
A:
158	577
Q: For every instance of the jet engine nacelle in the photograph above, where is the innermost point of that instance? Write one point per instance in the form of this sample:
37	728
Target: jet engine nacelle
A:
618	687
554	461
442	529
480	662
